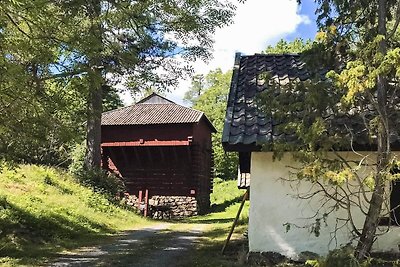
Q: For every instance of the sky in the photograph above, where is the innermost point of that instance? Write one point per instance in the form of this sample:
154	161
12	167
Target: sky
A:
257	24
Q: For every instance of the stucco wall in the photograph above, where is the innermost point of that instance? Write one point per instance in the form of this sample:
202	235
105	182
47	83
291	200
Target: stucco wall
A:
273	203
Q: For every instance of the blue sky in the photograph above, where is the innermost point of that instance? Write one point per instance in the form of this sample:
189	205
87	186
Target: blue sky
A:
306	31
257	24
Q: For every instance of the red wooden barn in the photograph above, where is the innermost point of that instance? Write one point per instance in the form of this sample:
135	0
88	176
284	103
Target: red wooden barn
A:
165	148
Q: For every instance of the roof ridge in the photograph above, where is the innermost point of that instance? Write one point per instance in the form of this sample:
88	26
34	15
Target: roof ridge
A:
275	54
152	95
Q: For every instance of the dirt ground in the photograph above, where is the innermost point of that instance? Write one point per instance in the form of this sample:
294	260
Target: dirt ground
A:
158	245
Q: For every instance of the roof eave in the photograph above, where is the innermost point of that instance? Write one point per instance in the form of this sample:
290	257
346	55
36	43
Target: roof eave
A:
231	97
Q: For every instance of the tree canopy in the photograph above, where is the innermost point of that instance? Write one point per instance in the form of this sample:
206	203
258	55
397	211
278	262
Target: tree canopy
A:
60	60
213	103
296	46
358	49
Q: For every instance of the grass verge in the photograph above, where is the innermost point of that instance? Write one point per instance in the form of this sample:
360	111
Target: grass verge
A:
225	201
44	211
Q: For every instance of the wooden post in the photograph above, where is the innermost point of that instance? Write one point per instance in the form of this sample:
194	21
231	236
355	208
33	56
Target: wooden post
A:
146	202
140	198
235	221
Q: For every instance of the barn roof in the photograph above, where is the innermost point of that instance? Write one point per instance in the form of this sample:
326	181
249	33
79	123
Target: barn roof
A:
152	110
246	127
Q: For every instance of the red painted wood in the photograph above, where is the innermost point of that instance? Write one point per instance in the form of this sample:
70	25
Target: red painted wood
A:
140	197
146	203
147	143
161	158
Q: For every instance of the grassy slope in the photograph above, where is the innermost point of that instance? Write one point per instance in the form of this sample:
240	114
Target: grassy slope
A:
44	210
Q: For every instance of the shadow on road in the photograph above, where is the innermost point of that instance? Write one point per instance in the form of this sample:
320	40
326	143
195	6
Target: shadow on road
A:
154	246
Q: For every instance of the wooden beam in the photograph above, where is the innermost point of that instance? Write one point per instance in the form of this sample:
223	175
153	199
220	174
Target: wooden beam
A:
112	154
149	143
235	221
162	155
146	203
126	160
140	198
175	154
148	152
138	160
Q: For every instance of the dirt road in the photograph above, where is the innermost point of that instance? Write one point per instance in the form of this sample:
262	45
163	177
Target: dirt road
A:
159	245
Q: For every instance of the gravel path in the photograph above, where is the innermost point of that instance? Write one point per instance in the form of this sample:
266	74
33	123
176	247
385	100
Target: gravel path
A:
151	246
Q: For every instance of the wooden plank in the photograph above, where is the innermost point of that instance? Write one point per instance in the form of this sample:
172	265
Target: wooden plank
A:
235	221
146	203
125	157
147	143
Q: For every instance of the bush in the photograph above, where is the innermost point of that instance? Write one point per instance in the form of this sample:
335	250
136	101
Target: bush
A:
99	180
77	159
343	257
102	182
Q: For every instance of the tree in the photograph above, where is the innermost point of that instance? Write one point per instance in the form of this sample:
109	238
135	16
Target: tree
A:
296	46
368	30
358	43
196	90
140	41
213	103
102	42
40	117
43	96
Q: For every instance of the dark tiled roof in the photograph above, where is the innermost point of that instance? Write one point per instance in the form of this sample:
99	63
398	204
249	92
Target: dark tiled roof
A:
246	127
152	110
245	124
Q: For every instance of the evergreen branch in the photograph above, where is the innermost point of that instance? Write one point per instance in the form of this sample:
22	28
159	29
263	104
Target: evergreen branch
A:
396	24
17	26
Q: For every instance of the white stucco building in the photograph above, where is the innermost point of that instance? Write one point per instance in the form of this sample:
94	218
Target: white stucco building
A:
275	205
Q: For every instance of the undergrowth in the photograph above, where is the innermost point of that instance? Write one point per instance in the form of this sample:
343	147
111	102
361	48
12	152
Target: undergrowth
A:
44	210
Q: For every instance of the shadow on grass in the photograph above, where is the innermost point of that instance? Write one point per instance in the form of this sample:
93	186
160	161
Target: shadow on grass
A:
224	205
27	237
211	220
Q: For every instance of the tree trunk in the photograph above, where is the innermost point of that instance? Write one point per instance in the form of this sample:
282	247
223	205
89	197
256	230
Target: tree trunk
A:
96	82
93	132
368	234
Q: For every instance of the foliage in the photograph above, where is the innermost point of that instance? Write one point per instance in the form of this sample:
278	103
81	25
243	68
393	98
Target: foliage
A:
213	103
342	257
99	180
196	90
58	56
356	105
296	46
44	210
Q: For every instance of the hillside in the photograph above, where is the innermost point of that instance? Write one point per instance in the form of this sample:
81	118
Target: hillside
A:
44	210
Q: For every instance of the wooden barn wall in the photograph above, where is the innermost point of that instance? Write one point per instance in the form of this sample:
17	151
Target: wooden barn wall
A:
202	163
162	170
164	132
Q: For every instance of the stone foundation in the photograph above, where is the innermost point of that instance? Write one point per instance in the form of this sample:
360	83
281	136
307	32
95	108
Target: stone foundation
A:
166	207
172	207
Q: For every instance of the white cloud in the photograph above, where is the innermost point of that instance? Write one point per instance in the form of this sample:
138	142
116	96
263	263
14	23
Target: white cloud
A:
257	23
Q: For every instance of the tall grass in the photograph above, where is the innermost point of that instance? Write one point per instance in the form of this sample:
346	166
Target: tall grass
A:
44	210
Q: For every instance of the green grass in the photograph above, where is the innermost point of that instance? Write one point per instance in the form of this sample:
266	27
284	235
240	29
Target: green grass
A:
44	211
225	202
